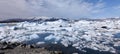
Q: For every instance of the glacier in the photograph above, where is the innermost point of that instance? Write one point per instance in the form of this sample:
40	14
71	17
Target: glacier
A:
96	35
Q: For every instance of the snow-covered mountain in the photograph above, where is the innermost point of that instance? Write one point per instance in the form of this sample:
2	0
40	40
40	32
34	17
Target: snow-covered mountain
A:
100	35
32	19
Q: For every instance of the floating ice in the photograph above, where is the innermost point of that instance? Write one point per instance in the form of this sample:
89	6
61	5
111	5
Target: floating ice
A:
52	38
79	34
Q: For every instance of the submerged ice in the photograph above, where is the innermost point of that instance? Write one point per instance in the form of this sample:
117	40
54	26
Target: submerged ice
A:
96	35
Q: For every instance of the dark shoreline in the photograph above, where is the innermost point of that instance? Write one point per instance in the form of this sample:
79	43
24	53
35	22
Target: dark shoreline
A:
11	48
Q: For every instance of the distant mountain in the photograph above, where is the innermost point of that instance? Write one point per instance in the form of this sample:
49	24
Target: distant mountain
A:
41	19
32	19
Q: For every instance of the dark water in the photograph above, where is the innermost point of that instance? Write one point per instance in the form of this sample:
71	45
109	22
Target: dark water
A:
60	47
117	35
70	49
40	39
117	49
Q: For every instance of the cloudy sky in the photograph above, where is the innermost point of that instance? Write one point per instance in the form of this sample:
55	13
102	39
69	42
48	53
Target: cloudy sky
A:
60	8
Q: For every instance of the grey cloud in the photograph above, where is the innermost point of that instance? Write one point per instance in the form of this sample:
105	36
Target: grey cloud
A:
56	8
13	8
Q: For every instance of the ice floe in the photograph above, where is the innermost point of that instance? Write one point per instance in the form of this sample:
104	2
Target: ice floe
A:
97	35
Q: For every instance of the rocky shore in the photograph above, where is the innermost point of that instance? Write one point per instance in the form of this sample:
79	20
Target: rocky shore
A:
18	48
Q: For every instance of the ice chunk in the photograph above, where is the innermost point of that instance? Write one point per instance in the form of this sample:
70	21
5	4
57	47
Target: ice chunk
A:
86	37
34	36
52	38
75	45
65	42
23	38
40	43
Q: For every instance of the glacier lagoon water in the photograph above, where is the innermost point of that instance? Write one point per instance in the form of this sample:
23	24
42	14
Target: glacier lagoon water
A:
71	50
117	35
31	28
2	25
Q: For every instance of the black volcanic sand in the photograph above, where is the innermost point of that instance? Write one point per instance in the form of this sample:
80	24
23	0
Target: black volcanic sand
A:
19	48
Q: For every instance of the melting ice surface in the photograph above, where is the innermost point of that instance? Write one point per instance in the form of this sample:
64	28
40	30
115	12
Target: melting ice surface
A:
80	34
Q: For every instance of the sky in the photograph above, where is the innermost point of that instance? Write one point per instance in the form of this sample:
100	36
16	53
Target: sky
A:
60	8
